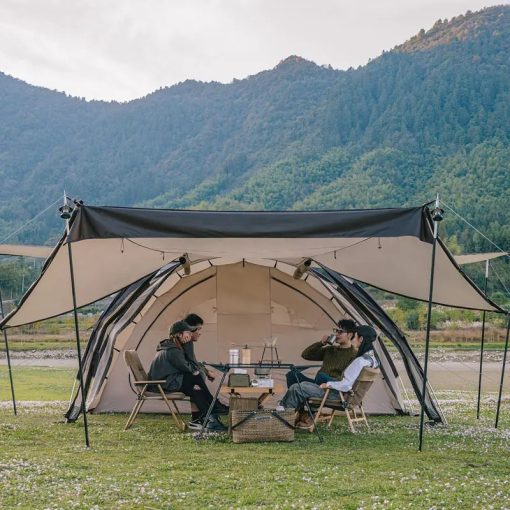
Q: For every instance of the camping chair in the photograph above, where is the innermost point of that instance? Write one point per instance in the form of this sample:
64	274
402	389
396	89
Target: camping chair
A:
141	383
350	403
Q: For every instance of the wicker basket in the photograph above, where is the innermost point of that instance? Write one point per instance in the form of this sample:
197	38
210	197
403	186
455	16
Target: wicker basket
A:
241	404
262	425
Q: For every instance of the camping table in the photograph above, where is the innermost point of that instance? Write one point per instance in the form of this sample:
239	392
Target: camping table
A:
225	369
252	391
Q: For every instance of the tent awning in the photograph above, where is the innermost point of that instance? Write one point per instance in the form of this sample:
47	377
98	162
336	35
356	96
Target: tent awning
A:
25	250
478	257
113	246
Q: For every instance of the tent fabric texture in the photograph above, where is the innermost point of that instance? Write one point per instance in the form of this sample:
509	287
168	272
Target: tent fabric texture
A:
25	250
478	257
241	303
387	248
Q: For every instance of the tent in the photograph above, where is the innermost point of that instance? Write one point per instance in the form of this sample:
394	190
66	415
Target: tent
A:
107	249
241	303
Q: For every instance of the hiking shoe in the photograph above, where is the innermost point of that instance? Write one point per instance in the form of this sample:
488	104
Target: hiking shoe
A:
215	425
195	424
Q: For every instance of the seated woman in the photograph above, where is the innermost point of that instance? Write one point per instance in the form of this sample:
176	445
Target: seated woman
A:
181	373
297	394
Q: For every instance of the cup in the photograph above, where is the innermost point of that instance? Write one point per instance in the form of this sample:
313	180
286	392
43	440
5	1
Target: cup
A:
331	339
233	357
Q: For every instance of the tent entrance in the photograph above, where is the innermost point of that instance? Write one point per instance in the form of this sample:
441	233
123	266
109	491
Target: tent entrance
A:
242	303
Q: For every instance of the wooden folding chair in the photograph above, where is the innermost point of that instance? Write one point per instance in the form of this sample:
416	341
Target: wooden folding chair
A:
350	404
141	383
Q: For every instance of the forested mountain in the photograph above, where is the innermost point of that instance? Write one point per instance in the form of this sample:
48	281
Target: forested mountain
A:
432	115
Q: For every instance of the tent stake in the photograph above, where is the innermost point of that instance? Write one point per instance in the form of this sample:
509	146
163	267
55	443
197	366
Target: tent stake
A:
437	216
482	344
502	373
8	357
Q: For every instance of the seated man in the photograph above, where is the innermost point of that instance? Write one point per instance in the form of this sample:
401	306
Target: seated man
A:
197	322
297	394
183	374
335	358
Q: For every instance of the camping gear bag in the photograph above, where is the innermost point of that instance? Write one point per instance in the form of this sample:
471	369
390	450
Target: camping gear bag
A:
262	425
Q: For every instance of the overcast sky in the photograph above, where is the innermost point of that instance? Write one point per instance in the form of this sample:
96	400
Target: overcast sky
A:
124	49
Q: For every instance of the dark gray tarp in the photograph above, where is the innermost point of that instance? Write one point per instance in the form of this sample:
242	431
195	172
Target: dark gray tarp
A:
111	222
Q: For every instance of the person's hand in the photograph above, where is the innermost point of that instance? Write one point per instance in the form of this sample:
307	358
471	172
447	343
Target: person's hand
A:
324	386
186	337
324	339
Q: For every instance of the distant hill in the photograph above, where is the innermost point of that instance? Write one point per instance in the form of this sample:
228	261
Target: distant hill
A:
431	115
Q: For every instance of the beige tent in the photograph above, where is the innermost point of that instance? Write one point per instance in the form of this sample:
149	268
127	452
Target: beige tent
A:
241	303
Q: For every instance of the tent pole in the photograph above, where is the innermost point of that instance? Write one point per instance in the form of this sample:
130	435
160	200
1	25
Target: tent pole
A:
8	357
437	216
78	347
65	213
482	344
502	373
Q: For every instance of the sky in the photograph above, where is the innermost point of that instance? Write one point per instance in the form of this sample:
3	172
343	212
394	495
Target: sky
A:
124	49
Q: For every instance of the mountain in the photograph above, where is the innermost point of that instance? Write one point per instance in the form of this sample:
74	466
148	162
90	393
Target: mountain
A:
431	115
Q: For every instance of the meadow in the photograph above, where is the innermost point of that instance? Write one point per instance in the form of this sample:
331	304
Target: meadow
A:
45	464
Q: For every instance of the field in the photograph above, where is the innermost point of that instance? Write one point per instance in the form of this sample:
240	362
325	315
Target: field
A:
44	463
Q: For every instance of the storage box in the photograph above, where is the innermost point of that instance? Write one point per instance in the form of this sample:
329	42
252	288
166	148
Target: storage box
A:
238	380
262	425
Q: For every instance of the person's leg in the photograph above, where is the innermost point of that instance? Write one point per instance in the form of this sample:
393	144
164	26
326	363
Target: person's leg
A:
202	399
291	377
298	393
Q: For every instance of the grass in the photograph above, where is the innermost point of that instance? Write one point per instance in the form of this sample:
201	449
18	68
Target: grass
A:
44	464
37	383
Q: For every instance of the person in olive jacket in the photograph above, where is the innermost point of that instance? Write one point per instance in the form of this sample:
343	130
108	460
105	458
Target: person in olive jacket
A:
182	373
335	357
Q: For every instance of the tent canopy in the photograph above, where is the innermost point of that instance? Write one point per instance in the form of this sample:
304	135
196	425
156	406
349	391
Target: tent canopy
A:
113	247
478	257
25	250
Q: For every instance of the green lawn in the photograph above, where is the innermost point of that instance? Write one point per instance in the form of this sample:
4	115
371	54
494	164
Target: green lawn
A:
44	464
37	383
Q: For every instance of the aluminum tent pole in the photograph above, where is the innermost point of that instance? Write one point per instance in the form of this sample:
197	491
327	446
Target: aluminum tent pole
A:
502	373
65	211
437	216
8	357
482	343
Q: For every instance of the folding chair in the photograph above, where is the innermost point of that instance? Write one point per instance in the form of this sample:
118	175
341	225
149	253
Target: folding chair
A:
141	383
350	403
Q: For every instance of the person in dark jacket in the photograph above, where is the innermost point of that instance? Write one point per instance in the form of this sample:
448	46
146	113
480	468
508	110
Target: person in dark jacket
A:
335	357
183	374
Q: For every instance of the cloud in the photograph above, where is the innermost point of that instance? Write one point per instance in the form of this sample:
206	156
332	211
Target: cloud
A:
123	49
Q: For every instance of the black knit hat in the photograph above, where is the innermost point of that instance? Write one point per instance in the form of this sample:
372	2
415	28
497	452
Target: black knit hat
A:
180	327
